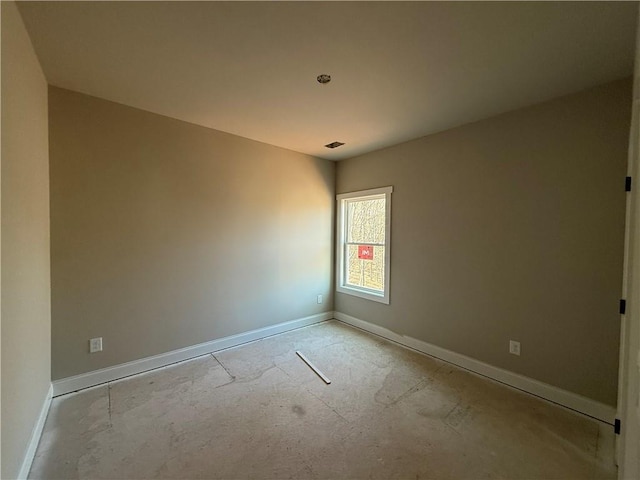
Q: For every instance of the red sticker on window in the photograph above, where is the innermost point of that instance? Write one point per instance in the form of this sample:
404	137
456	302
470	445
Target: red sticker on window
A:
365	252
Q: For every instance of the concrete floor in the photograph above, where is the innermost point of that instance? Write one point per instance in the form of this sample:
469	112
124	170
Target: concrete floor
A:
257	411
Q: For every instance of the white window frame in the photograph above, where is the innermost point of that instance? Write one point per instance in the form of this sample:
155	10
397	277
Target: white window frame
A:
341	244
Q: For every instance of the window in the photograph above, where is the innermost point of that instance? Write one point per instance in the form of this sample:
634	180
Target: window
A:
363	243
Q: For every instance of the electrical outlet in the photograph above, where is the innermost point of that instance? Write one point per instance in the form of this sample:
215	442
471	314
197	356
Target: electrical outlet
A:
514	347
95	345
319	298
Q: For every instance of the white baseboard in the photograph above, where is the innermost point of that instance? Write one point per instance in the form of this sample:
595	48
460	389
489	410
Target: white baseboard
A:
97	377
36	433
557	395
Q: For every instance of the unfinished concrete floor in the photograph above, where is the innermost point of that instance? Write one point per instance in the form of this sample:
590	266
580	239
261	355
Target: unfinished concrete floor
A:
257	411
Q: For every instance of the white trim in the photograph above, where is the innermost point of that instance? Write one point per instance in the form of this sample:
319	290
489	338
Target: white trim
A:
341	285
97	377
36	433
557	395
361	194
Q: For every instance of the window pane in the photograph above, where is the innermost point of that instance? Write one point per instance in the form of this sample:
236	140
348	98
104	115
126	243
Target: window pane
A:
366	221
361	271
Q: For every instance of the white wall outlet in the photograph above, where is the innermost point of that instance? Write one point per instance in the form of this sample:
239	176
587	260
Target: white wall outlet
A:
95	345
319	298
514	347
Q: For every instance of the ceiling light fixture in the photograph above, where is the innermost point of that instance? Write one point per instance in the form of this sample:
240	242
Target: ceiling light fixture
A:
323	78
334	144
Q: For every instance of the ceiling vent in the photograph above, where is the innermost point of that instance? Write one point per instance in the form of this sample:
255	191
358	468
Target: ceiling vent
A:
323	78
334	144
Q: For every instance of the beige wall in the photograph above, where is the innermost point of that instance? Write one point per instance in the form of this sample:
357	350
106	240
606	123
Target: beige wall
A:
26	318
165	234
511	228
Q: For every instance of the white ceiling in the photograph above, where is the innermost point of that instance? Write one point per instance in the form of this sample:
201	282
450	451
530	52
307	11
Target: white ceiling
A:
400	70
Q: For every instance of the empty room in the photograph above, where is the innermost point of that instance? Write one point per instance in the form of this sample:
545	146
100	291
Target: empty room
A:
320	240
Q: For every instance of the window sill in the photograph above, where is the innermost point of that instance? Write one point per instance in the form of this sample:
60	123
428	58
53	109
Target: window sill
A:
368	295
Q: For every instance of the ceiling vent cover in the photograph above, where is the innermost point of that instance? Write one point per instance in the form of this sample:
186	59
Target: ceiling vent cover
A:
334	144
